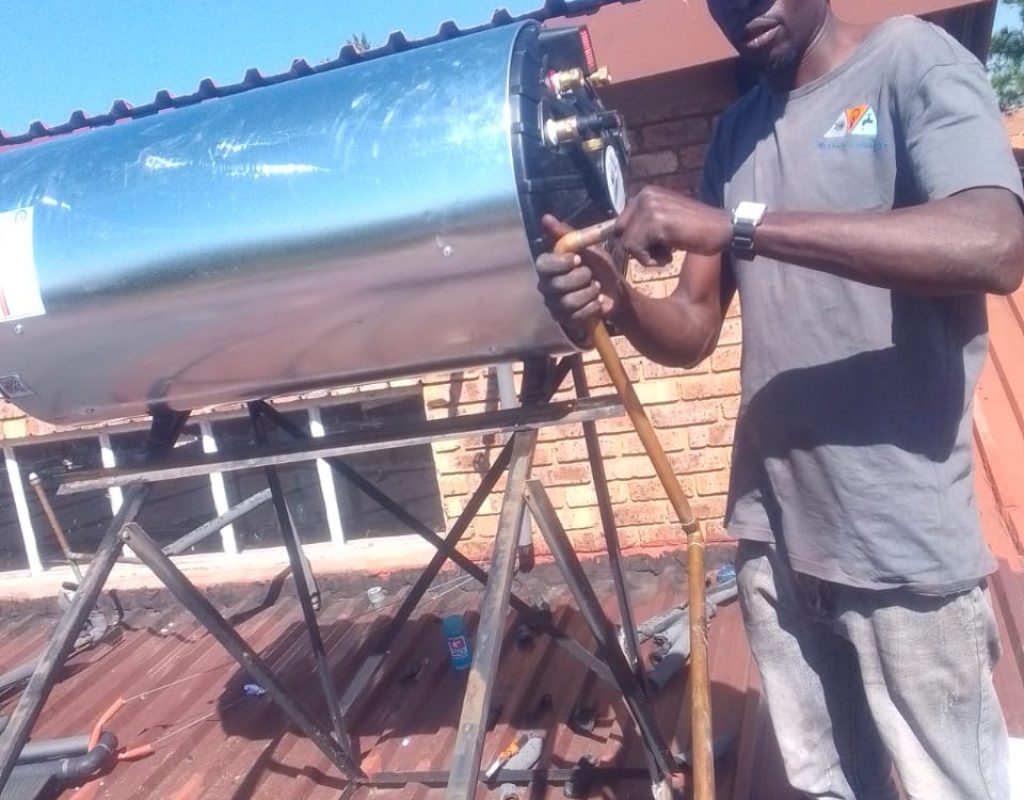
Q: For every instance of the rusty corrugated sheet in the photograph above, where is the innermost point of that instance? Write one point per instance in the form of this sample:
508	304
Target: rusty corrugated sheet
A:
215	742
254	79
999	425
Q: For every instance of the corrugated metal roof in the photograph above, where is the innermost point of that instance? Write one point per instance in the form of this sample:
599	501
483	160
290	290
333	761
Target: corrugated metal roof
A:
212	740
999	426
254	79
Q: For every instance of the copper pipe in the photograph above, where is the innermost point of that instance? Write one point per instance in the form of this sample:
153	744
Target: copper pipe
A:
37	484
700	707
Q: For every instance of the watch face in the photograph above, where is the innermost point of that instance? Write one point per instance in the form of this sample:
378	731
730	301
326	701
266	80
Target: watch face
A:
750	212
614	179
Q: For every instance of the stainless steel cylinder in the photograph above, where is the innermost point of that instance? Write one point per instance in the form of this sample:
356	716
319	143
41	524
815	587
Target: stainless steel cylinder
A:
363	223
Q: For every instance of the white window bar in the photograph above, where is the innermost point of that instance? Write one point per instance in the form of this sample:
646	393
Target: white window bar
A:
109	462
327	487
220	494
28	535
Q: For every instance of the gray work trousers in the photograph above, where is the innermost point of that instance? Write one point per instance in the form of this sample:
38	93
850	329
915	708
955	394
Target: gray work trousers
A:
857	681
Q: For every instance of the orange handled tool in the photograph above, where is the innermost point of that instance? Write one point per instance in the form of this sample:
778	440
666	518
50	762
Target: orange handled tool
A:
700	724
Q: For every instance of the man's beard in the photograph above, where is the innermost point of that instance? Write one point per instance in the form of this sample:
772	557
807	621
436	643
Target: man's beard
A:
782	64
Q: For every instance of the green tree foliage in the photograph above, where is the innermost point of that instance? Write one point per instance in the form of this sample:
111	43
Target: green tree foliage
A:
1006	62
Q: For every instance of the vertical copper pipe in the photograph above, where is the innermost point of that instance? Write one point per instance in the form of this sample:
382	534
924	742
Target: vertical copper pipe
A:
37	484
700	721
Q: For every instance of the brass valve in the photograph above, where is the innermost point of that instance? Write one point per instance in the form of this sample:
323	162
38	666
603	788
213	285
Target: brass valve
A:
570	80
567	80
600	77
589	126
558	131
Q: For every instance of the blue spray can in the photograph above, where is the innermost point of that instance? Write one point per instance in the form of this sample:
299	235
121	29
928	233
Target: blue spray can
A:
458	643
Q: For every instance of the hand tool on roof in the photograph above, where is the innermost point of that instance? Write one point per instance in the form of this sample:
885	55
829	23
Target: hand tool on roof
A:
703	758
503	757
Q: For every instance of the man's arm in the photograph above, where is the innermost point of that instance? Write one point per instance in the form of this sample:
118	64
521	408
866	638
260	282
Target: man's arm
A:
970	242
680	330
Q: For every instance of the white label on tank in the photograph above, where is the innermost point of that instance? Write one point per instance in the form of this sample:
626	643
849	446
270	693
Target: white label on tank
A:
19	284
613	177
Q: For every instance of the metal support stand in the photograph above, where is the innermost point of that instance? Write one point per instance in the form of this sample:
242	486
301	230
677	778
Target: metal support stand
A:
164	432
340	751
446	551
616	662
305	586
166	428
627	675
627	623
472	725
602	629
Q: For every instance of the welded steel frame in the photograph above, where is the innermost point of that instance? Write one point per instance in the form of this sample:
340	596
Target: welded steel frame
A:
165	430
337	747
616	663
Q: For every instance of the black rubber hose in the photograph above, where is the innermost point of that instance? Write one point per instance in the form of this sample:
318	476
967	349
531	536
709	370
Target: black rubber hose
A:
74	768
54	748
19	674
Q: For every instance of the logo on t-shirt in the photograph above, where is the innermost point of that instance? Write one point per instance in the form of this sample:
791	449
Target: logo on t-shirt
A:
856	127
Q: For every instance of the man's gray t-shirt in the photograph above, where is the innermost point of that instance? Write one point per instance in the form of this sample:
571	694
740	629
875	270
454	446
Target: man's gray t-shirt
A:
853	446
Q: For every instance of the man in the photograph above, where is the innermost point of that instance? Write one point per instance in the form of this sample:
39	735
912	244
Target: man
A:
862	199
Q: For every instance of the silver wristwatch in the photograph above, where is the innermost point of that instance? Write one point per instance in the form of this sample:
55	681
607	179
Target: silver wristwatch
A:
745	219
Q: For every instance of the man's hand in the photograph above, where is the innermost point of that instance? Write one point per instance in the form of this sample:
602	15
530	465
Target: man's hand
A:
578	288
658	221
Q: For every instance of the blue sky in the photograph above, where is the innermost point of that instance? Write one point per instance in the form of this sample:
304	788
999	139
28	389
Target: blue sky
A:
1007	17
60	55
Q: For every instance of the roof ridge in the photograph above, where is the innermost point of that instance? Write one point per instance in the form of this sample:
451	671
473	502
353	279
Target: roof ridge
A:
397	42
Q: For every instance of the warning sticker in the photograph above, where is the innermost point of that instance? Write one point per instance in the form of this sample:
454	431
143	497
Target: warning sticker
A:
19	284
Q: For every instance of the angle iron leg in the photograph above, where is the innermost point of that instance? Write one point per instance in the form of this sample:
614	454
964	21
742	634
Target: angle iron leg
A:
299	574
611	532
216	525
465	770
166	427
631	641
201	608
383	645
569	565
447	545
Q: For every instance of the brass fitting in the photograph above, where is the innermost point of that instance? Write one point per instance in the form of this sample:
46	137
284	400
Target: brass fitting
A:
600	77
570	80
567	80
558	131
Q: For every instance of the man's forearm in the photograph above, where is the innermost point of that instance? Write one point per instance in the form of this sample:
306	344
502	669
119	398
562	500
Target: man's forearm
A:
972	242
669	331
